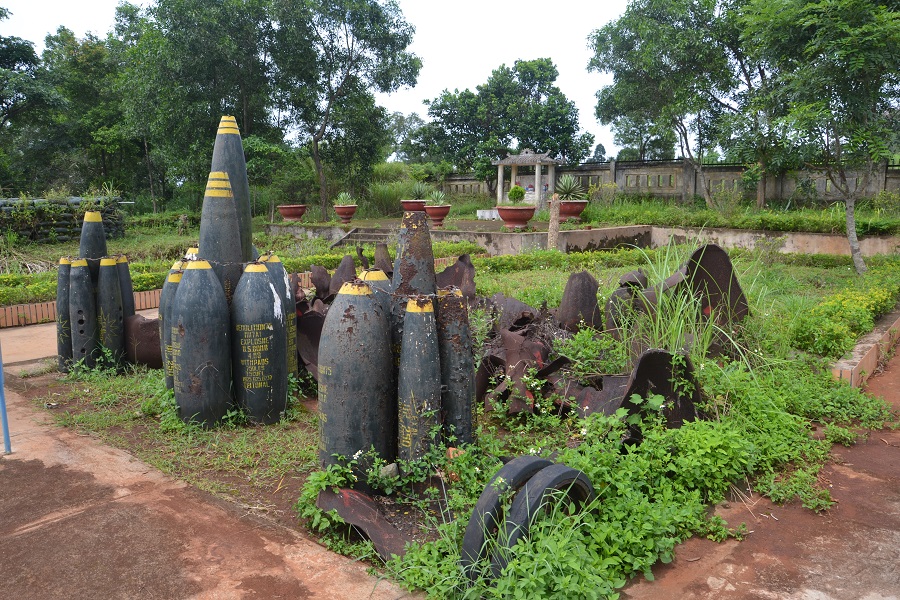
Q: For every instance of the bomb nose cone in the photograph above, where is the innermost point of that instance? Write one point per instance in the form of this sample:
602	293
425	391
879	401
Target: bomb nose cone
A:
219	233
228	157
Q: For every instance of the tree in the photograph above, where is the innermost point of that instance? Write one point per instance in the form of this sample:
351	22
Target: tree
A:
838	79
599	154
21	88
519	106
402	129
680	65
328	51
643	140
187	63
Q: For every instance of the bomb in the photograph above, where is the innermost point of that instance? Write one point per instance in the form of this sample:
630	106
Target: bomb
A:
228	157
220	233
110	317
413	271
419	384
83	313
457	366
92	245
125	285
201	346
63	323
357	401
165	320
258	346
279	277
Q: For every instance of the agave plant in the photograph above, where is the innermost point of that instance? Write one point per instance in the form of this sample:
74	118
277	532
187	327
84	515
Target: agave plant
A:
344	199
420	190
569	188
436	198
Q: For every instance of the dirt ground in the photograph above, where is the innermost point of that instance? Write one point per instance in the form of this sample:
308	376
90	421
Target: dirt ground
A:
80	519
850	552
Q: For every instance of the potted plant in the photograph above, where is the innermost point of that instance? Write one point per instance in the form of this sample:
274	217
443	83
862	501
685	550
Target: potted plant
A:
572	200
345	207
437	208
419	190
292	212
516	215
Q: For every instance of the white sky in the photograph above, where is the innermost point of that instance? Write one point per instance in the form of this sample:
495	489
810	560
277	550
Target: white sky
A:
459	42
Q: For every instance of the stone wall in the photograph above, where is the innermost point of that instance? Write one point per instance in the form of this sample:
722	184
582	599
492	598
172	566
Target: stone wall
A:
677	179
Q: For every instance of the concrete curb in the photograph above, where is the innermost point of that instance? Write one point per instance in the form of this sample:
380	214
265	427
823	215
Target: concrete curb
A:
869	351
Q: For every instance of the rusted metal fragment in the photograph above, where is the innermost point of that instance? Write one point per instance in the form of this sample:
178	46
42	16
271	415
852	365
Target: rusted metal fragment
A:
618	308
712	278
513	314
362	258
634	279
414	266
579	303
309	332
670	376
383	259
606	400
321	280
362	512
460	274
142	341
345	272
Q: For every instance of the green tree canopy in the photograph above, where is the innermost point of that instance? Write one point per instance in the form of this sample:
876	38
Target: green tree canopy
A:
516	107
836	86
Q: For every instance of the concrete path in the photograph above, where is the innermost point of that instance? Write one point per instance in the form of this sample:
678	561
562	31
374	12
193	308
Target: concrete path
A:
79	519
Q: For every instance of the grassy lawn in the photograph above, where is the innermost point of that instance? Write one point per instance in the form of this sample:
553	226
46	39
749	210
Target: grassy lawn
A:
762	406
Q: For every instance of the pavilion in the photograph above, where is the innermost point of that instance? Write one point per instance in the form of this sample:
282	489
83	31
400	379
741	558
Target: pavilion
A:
528	158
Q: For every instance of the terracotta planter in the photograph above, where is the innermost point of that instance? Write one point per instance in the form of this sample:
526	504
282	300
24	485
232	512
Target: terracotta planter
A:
413	205
570	209
345	212
437	214
516	217
292	212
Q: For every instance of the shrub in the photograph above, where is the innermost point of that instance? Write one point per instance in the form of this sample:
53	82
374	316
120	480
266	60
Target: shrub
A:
516	194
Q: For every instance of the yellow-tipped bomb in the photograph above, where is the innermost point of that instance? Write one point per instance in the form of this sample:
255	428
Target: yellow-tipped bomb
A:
228	157
219	232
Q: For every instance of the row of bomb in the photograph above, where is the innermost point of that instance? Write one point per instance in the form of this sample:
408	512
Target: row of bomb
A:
93	298
395	364
227	328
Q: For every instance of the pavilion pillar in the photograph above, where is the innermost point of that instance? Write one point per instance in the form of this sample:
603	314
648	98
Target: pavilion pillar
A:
515	173
499	184
551	175
539	196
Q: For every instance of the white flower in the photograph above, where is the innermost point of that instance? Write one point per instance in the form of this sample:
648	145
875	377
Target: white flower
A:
357	455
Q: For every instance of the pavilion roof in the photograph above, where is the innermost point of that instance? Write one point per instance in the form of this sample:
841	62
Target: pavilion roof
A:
527	157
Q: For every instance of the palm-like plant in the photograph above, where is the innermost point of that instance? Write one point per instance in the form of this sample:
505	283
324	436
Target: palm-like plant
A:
569	188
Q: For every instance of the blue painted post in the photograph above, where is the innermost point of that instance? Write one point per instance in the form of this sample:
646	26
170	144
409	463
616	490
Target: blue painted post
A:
6	443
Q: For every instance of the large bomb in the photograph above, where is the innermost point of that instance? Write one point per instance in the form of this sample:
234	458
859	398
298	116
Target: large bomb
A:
63	323
83	313
201	346
413	270
220	233
357	401
457	366
126	285
258	346
170	286
110	317
92	245
228	157
419	383
279	277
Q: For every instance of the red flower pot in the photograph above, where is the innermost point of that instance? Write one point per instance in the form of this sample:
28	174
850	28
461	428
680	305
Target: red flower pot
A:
292	212
516	217
345	212
570	209
437	214
413	205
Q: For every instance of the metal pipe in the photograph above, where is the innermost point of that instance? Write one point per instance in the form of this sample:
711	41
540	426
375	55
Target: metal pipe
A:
7	445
